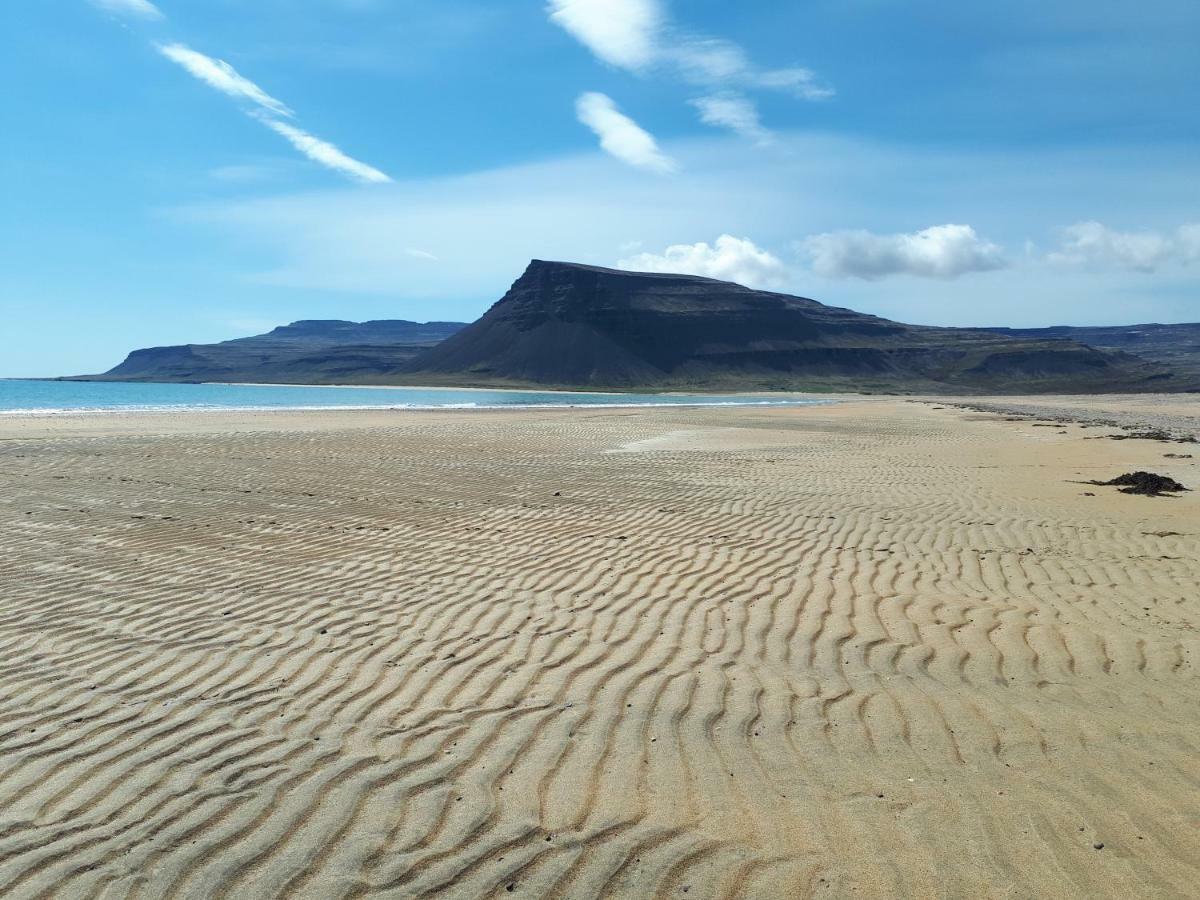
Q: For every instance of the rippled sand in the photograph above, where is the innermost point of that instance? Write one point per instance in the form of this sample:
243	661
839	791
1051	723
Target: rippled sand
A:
874	650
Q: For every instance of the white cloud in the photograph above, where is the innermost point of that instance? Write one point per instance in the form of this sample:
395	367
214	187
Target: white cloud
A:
218	74
943	251
623	33
735	112
636	35
728	259
325	153
620	135
139	9
1094	244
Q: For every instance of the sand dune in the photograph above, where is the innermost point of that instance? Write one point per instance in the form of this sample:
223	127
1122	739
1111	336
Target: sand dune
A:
874	650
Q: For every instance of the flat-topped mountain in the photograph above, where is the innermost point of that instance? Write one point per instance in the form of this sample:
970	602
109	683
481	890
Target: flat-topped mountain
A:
323	351
570	325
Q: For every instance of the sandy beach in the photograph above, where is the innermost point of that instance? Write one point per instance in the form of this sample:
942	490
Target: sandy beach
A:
877	649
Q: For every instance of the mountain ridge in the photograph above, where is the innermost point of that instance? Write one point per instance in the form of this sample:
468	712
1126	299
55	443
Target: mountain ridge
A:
1173	345
579	326
308	351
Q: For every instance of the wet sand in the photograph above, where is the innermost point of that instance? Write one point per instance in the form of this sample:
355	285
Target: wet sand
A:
879	649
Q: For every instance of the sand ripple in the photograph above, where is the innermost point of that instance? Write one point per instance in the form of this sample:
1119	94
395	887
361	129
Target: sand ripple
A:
871	650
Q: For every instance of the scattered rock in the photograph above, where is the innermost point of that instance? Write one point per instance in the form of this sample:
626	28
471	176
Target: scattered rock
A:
1144	483
1156	434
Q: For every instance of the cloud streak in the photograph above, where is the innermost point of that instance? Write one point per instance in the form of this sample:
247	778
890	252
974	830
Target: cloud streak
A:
138	9
942	251
223	77
728	259
325	153
620	136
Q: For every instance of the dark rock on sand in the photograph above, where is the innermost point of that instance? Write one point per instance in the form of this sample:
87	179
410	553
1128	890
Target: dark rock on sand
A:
1145	483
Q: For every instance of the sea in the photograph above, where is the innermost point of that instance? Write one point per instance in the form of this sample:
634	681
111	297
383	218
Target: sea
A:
51	398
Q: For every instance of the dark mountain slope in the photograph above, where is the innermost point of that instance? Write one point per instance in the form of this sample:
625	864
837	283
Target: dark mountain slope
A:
305	352
569	325
1174	346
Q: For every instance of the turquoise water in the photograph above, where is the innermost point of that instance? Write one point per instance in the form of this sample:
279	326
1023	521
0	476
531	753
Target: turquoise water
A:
63	397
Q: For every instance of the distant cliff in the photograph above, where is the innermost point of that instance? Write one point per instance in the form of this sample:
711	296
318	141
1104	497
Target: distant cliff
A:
1175	346
569	325
305	352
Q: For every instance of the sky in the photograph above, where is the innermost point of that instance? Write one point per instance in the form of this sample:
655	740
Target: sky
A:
185	172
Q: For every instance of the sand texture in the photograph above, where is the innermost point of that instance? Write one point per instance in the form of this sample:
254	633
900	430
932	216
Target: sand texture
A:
880	649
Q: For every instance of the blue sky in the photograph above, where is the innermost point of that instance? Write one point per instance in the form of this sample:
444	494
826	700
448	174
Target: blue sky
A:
193	171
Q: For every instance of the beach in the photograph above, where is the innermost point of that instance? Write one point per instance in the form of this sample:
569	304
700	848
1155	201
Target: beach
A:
880	648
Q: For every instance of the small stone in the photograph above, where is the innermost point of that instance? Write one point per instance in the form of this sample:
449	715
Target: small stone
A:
1098	846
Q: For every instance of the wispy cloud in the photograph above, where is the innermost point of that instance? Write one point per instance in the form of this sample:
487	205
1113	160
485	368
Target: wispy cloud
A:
1097	245
620	135
138	9
637	35
734	111
942	251
220	75
716	62
728	259
325	153
798	80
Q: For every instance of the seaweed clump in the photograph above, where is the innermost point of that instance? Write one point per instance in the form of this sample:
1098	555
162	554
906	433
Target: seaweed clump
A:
1146	484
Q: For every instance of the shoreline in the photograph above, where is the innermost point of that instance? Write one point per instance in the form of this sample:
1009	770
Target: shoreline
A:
403	399
56	412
